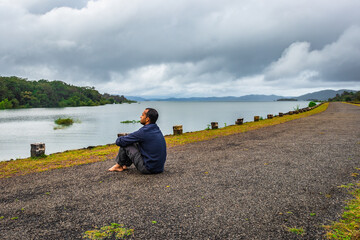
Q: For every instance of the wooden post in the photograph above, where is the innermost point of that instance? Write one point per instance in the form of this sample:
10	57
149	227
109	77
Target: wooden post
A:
37	149
239	121
214	125
270	116
178	130
256	118
281	114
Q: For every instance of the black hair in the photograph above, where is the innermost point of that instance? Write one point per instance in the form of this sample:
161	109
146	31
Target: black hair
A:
152	114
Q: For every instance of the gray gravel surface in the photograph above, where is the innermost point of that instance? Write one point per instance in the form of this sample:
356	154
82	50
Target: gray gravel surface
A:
252	185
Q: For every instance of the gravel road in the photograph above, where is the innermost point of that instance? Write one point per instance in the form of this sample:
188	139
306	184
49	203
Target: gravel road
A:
253	185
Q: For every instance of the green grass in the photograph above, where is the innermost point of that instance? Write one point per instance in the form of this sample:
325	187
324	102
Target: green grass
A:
103	153
113	231
348	227
57	160
298	231
353	103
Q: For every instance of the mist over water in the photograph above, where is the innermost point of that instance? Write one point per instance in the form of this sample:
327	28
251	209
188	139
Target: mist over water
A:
100	125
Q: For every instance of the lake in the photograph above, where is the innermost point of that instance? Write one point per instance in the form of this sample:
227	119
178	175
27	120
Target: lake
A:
100	125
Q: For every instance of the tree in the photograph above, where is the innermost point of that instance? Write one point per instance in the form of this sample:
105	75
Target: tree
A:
21	93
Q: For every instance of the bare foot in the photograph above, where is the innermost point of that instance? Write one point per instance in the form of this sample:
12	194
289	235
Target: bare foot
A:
124	167
116	168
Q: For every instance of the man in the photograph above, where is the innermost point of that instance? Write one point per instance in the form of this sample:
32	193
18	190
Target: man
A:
146	147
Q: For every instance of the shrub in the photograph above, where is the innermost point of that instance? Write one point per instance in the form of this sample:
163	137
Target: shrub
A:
64	121
312	104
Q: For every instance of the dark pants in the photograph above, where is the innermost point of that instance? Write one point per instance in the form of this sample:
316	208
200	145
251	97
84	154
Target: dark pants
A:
129	155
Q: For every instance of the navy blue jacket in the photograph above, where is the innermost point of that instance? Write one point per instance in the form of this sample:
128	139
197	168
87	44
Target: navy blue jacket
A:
152	146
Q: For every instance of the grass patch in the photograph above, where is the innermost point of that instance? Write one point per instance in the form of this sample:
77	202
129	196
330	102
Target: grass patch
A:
57	160
102	153
113	231
348	227
353	103
298	231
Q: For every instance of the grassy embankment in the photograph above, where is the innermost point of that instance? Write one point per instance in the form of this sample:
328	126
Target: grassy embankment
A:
102	153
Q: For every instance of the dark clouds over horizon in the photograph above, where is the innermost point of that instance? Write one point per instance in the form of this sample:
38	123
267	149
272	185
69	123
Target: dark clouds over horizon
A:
184	48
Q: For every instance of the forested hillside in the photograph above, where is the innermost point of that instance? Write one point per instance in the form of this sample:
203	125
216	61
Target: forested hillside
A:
346	97
17	92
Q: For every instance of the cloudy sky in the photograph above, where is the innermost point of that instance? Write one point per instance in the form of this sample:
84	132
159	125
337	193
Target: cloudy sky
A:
184	48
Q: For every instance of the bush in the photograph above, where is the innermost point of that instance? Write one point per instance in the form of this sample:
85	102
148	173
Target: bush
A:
64	121
312	104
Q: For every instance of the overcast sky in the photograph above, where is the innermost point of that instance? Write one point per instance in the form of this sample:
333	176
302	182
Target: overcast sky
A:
184	48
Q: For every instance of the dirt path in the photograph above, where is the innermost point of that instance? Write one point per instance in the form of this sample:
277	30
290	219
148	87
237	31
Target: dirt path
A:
246	186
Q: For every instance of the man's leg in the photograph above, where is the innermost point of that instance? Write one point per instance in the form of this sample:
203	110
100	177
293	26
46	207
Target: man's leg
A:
122	161
133	152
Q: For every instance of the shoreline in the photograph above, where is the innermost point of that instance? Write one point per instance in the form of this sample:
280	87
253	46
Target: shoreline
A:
92	154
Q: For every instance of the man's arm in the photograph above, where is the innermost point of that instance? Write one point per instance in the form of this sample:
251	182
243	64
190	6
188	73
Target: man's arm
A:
127	140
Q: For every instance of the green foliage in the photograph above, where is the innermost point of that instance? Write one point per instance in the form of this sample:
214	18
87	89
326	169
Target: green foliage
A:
346	97
115	230
312	104
20	93
5	104
349	226
64	121
297	108
298	231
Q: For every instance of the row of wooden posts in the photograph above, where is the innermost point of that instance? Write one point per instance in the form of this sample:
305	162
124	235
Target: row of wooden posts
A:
38	149
178	129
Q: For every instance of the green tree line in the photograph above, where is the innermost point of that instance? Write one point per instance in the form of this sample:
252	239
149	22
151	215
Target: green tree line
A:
346	97
17	92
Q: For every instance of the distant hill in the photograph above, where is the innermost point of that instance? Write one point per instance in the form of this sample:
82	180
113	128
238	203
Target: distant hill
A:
247	98
323	95
134	98
320	95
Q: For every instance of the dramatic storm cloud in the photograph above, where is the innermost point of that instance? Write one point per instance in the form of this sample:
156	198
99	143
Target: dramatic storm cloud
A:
184	48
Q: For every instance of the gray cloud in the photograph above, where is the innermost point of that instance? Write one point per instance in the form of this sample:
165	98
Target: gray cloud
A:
337	61
183	48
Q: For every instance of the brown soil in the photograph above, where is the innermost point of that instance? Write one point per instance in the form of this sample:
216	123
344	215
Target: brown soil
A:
251	185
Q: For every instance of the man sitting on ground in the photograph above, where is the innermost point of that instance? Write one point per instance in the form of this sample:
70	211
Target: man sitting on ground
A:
146	147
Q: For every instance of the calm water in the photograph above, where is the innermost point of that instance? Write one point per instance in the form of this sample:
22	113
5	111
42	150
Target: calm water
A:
100	125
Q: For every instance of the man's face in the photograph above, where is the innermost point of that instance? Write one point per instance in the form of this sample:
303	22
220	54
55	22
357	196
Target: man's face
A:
143	119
